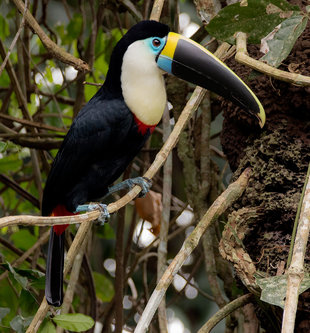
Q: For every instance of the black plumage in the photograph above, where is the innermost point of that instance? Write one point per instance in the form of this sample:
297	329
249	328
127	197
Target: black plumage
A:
102	141
103	138
106	134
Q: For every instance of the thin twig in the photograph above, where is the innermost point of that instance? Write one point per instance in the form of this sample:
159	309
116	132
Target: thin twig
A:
36	172
42	240
43	221
93	84
296	269
19	252
132	9
19	136
81	234
51	47
33	123
22	23
290	254
156	10
18	189
225	311
22	102
219	206
208	240
119	272
74	276
164	226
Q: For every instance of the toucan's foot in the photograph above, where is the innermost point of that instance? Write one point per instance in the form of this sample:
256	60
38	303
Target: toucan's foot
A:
89	207
143	182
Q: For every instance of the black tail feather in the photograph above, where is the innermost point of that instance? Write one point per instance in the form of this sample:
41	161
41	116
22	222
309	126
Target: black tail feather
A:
54	269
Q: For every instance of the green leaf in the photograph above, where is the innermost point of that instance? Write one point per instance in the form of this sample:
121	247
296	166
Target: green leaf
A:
3	313
257	19
104	287
10	163
105	232
90	90
48	74
8	298
74	27
29	273
39	283
20	279
3	146
32	107
27	302
47	327
4	28
284	39
274	288
23	239
75	322
19	323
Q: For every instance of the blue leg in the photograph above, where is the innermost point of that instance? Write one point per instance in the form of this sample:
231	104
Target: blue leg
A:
128	184
102	207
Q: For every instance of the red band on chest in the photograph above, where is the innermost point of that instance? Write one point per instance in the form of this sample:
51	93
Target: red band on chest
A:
142	128
60	210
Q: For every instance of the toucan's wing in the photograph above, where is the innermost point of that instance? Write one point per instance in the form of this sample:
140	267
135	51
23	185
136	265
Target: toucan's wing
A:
98	132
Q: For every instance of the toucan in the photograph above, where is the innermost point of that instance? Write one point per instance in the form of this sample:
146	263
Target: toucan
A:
113	126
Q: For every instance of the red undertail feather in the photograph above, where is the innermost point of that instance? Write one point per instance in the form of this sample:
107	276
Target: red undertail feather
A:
142	128
61	210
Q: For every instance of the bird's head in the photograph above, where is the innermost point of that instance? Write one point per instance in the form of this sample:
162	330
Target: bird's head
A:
184	58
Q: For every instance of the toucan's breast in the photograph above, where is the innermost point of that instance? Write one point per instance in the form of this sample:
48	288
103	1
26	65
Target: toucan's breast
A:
143	86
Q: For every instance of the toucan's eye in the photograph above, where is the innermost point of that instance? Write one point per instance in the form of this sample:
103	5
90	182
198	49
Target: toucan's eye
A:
156	42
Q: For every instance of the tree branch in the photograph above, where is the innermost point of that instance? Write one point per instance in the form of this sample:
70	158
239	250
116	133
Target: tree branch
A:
232	193
160	158
74	276
164	226
18	189
42	240
243	57
156	10
81	235
225	311
22	23
296	269
33	123
51	47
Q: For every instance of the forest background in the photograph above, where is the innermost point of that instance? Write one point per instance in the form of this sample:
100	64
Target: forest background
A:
53	62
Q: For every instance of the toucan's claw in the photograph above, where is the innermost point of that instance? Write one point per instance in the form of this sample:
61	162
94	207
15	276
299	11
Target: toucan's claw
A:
144	182
104	215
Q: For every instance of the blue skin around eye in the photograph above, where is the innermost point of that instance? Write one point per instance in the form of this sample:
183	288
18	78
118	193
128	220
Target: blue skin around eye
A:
153	48
164	63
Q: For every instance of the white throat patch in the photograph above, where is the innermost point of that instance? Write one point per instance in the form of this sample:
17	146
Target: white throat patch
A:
143	85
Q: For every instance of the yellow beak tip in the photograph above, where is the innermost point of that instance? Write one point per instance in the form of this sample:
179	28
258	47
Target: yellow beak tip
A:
261	119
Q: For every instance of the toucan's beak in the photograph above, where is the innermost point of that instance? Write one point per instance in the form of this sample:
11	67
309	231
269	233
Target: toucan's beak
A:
190	61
